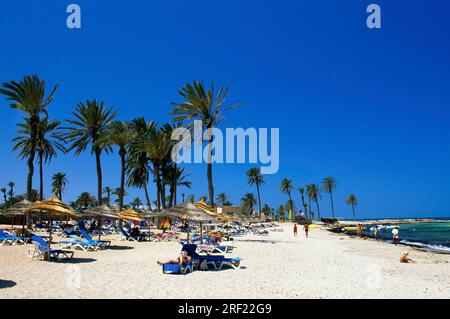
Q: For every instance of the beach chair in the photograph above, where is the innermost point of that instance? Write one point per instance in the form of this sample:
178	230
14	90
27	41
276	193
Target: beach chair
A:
42	250
182	269
123	235
78	243
102	243
218	262
7	239
215	249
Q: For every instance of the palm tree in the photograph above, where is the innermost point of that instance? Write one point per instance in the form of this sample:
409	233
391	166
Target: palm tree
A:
175	178
29	96
157	146
206	105
107	190
191	198
302	197
221	199
281	212
136	202
120	134
119	194
59	182
85	200
328	186
91	123
4	191
11	192
313	192
286	188
137	167
49	140
248	202
256	178
266	210
352	200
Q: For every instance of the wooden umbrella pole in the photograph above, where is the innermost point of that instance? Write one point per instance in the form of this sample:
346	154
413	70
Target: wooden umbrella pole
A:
50	238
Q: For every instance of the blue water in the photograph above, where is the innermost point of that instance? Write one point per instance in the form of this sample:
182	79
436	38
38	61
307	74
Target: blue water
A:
432	236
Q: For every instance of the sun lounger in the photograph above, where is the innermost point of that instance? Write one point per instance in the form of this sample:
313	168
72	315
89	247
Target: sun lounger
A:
78	243
124	235
181	269
7	239
42	250
215	249
218	262
88	238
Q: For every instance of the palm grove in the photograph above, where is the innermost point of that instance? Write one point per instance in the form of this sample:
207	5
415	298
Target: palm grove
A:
143	146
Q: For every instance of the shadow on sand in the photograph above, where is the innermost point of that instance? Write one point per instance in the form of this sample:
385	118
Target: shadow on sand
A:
76	260
257	241
119	247
7	284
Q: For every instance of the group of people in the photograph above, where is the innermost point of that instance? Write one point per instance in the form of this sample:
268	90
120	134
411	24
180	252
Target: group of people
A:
305	228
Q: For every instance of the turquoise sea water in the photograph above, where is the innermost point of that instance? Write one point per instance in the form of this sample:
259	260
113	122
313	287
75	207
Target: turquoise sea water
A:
433	236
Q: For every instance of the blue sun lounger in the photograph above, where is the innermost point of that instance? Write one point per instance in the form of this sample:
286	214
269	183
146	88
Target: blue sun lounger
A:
41	249
88	238
181	269
218	262
78	243
12	239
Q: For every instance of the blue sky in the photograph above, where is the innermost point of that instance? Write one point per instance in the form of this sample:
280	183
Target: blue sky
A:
369	107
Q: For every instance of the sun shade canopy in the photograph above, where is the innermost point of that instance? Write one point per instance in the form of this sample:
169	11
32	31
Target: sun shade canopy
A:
53	206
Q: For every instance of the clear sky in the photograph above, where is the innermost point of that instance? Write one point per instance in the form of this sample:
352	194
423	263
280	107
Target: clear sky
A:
369	107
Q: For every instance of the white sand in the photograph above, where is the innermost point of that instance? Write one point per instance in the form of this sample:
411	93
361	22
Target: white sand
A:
276	266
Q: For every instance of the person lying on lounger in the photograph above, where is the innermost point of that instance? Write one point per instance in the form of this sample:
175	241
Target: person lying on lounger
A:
182	259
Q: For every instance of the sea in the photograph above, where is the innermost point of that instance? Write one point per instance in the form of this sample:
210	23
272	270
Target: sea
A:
434	236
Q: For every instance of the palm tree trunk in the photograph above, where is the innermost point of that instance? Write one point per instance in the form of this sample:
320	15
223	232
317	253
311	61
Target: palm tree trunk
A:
175	195
290	205
259	199
163	194
122	180
99	188
318	210
33	137
158	187
147	198
353	208
209	171
332	204
99	176
41	177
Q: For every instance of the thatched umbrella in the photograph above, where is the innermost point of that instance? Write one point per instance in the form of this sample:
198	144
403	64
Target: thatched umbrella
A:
190	213
100	211
18	209
53	206
131	214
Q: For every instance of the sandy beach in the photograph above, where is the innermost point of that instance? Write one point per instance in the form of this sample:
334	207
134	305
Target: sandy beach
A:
326	265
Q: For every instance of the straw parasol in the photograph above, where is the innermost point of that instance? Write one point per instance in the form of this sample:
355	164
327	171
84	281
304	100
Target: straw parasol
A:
18	209
53	206
100	211
131	214
190	213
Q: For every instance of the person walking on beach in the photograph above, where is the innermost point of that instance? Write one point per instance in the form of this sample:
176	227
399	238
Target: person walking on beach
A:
376	232
306	229
395	236
360	230
295	231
